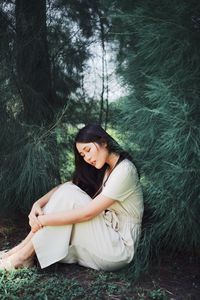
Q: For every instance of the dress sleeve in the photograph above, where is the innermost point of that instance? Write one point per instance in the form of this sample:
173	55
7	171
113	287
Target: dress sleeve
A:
121	183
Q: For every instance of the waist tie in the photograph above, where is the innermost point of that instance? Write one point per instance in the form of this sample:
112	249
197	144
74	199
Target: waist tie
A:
113	220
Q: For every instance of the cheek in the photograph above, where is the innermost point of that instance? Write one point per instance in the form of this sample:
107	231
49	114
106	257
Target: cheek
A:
103	154
95	153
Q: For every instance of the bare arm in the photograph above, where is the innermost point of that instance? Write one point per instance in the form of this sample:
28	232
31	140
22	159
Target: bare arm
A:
77	215
36	209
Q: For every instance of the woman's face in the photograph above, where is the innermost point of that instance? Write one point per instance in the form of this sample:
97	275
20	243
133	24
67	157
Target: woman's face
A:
93	153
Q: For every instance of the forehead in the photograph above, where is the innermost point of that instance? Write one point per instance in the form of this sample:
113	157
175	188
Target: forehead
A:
82	146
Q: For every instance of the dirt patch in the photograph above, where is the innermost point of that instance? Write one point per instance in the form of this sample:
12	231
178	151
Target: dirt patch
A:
178	276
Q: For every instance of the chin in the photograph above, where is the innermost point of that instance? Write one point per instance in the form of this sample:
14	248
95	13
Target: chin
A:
99	166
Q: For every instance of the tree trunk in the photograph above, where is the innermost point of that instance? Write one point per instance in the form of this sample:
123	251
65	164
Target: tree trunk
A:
33	69
33	66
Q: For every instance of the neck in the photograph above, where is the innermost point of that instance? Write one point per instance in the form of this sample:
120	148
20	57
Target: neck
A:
112	160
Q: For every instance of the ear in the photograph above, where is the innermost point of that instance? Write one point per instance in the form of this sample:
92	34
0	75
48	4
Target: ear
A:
103	142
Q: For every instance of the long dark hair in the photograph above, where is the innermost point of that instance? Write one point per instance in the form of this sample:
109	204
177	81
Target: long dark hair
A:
86	176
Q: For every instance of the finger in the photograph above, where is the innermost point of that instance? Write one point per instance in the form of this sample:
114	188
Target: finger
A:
31	215
37	223
33	222
35	228
40	210
34	218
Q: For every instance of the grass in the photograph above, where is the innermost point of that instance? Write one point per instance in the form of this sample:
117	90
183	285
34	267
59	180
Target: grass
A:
32	284
176	279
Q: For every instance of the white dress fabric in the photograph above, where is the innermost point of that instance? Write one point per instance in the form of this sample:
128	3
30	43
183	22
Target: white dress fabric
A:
106	242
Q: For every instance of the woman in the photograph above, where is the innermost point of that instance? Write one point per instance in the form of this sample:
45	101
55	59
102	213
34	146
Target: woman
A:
93	220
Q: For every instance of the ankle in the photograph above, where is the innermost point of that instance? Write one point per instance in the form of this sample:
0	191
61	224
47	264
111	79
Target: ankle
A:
25	253
23	256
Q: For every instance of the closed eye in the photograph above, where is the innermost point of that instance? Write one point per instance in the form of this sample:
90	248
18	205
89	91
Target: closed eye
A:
86	150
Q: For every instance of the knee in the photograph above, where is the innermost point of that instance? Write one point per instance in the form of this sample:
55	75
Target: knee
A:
67	197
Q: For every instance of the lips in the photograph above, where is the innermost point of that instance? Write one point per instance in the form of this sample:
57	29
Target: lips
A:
93	163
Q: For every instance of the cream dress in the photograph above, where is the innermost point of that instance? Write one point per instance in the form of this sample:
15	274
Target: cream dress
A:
106	242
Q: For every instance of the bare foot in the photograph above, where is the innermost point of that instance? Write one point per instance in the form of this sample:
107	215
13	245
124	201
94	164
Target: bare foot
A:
2	253
15	261
7	253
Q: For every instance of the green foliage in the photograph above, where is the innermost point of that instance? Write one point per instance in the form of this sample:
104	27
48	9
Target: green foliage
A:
32	285
27	160
157	295
43	51
159	119
27	284
65	138
55	40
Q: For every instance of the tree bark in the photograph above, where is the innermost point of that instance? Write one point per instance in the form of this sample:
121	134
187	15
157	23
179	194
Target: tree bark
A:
33	69
33	65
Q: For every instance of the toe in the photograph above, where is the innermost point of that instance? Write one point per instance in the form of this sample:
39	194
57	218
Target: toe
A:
6	264
3	253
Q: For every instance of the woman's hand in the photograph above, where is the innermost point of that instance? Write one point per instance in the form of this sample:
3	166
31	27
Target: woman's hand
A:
35	225
33	220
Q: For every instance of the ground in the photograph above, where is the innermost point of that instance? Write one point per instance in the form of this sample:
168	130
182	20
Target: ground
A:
175	278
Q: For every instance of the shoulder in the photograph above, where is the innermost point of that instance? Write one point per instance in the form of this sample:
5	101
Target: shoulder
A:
121	182
125	167
124	171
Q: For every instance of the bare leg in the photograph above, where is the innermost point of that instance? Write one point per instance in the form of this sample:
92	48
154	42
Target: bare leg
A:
19	246
20	259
